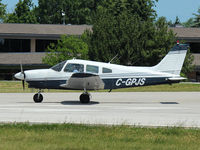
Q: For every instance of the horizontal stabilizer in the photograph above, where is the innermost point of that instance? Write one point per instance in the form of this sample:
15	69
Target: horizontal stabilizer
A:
176	79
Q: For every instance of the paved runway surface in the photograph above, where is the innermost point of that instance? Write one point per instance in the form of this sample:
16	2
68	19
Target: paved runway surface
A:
131	108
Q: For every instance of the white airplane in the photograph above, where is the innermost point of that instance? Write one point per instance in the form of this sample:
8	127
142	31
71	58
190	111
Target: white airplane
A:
87	75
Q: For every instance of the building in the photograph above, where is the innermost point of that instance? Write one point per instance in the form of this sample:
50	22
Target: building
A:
26	44
192	37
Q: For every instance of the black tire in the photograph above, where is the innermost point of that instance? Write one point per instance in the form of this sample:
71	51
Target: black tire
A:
38	98
84	98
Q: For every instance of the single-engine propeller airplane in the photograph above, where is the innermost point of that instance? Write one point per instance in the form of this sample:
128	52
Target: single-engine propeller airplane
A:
86	75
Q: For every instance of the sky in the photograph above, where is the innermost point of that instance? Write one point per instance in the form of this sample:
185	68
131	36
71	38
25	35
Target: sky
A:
167	8
184	9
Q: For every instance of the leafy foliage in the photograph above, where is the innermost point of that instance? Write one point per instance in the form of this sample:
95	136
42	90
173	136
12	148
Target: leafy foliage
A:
193	22
76	11
23	13
197	19
188	65
188	23
2	11
176	22
161	41
68	47
124	28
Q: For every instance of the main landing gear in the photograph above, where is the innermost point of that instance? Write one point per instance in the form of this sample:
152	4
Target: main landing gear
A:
38	98
85	98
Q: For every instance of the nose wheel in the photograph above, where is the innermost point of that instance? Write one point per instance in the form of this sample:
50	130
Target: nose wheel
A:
38	98
85	98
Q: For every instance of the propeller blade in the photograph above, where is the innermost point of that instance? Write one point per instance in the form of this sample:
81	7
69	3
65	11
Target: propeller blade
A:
23	84
22	72
21	68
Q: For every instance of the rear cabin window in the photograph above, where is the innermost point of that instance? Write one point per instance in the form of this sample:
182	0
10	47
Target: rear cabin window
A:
59	66
92	69
74	68
106	70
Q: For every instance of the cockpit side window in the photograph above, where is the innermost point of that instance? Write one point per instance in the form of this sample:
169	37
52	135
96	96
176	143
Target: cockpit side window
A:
92	69
106	70
74	68
59	66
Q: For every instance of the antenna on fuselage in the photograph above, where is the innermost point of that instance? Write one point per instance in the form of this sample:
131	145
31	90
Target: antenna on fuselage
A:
112	59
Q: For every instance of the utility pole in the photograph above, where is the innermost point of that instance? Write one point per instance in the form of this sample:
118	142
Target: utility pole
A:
63	15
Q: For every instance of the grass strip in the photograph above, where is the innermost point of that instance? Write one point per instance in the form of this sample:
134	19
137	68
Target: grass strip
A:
89	137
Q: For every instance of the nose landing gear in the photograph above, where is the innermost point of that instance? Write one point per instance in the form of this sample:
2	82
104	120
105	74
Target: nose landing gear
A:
38	98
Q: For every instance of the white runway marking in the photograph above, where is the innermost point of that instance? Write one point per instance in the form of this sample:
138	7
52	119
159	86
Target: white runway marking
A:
138	108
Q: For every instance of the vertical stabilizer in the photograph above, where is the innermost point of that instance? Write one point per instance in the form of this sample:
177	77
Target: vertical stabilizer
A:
173	61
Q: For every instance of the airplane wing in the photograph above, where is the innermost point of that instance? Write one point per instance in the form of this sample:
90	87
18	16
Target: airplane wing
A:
81	81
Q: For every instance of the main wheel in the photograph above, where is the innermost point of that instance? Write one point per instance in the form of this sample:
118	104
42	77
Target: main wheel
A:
38	98
84	98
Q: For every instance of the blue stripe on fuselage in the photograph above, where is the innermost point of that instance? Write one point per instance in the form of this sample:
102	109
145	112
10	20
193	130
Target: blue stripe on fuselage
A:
46	84
114	83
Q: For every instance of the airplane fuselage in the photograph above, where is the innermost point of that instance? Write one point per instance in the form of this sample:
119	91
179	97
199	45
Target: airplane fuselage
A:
113	76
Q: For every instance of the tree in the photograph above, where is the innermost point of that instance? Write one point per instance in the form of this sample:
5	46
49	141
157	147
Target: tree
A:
2	11
23	13
188	65
67	11
188	23
124	28
176	22
197	19
161	41
50	11
68	47
129	29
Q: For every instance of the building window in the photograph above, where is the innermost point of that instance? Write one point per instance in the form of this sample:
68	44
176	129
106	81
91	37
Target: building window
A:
14	45
2	41
195	47
198	76
42	45
92	69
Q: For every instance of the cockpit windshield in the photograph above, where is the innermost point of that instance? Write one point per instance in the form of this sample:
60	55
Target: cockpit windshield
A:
59	66
70	67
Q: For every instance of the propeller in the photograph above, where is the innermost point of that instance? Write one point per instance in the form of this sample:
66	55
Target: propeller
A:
24	77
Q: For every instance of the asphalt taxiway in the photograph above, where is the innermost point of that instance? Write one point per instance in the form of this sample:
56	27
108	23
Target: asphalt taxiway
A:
115	108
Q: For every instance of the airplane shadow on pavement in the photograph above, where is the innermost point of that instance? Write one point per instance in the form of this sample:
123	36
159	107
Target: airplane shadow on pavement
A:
73	102
66	103
78	103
